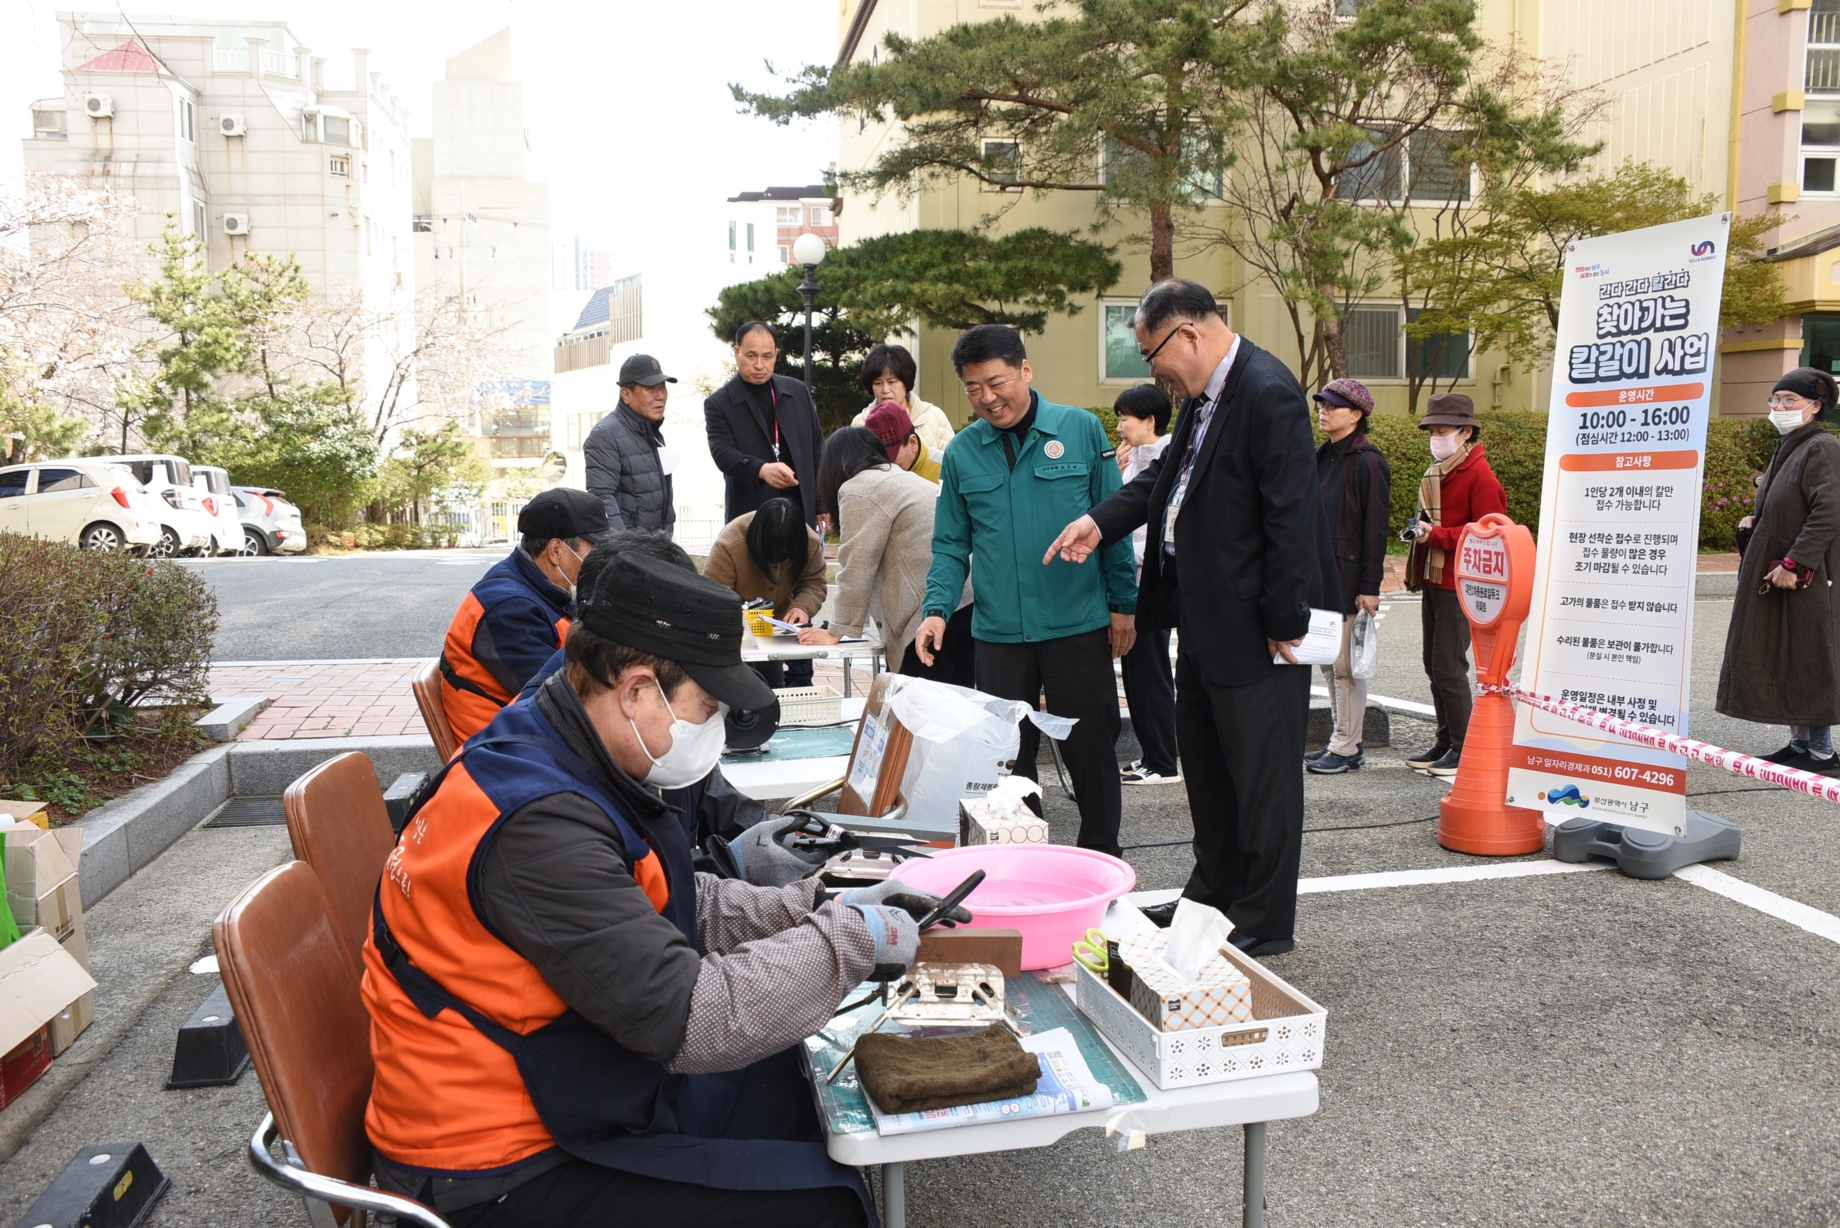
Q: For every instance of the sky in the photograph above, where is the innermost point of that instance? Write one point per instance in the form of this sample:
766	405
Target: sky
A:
627	101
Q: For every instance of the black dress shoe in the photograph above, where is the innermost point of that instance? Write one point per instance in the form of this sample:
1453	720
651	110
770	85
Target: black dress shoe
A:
1784	755
1259	948
1161	915
1425	758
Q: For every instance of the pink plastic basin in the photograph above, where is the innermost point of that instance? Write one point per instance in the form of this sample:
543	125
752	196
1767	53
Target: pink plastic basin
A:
1053	893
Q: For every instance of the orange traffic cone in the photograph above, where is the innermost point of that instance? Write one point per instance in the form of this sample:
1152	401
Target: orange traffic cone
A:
1472	818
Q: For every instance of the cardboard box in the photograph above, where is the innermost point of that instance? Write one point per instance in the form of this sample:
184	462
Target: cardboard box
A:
39	980
41	874
1219	993
35	813
980	823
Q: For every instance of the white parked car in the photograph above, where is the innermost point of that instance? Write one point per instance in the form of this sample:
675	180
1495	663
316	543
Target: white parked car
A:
94	504
186	527
213	487
271	525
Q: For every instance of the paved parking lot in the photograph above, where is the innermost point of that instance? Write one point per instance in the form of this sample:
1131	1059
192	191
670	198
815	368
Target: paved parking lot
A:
1566	1049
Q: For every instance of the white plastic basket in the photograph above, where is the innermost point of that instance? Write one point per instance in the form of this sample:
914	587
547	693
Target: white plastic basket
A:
1286	1033
809	705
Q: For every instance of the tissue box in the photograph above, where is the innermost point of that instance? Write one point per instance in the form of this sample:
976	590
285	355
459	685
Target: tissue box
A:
1220	993
980	823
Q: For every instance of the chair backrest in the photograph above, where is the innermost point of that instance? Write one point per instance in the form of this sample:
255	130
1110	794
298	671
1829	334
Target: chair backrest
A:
427	687
298	1005
340	826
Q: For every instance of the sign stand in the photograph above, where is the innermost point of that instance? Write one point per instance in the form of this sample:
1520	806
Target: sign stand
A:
1640	853
1495	562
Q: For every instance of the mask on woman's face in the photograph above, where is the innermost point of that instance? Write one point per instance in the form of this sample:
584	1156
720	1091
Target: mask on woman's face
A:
694	752
1445	446
1786	420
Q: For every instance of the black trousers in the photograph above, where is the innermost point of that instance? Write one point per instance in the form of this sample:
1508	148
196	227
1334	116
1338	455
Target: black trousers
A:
1076	672
954	664
783	673
584	1195
1242	760
1446	634
1150	693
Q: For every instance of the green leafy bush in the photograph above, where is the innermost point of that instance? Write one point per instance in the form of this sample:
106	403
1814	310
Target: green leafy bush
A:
83	637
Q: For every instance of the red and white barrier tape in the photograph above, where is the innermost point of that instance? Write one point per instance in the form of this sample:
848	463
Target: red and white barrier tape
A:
1811	783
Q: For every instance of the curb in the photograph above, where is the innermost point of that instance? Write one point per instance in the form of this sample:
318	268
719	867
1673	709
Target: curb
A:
124	835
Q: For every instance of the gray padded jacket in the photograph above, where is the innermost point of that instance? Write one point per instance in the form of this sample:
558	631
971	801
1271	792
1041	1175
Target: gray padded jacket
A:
623	468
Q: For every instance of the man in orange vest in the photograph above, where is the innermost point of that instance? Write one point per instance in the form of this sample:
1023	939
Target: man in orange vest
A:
517	615
569	1025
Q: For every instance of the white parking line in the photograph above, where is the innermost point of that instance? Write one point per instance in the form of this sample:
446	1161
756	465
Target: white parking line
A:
1451	874
1816	922
1387	701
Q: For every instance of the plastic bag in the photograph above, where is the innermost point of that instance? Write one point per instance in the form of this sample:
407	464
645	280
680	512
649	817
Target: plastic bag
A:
962	738
1363	646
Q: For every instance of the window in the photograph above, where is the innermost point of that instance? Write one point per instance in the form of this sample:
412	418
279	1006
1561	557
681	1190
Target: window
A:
335	131
48	123
198	220
186	120
1370	338
731	243
1120	361
1002	164
1821	110
820	215
1441	356
750	239
787	215
51	481
341	165
423	224
1820	342
785	254
13	483
1122	165
1422	167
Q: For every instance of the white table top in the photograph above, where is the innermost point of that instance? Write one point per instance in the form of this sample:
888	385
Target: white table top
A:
791	777
787	648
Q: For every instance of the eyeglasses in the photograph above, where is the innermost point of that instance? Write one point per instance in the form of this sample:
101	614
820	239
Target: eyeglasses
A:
1151	356
1785	400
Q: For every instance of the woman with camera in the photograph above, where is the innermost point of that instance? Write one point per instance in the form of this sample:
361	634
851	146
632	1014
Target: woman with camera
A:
1782	649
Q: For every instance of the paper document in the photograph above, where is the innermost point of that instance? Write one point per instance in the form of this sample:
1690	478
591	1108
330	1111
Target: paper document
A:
1066	1085
795	628
1322	643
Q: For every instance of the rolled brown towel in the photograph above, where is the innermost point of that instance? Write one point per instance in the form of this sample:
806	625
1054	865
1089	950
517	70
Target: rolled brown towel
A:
904	1074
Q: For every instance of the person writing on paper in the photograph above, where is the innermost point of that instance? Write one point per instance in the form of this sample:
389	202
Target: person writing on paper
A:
1357	492
1458	489
1238	555
772	554
884	514
626	462
1782	649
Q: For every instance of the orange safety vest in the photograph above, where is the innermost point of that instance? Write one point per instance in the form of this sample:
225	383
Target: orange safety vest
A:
471	693
446	1097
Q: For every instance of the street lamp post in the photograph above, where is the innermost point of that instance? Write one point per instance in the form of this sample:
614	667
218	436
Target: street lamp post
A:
808	251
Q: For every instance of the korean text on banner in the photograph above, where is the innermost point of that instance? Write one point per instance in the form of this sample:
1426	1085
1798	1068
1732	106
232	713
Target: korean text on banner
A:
1612	617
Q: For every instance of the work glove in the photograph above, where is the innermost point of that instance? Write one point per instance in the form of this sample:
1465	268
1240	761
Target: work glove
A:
897	939
764	858
894	893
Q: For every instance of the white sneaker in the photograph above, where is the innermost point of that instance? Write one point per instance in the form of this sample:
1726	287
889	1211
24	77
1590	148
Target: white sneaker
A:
1140	775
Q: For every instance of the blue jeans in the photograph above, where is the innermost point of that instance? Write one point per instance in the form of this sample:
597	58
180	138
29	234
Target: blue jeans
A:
1817	739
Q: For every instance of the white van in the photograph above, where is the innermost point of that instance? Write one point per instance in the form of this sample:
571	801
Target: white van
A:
186	529
213	487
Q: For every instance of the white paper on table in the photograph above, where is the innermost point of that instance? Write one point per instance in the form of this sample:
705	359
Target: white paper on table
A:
1322	643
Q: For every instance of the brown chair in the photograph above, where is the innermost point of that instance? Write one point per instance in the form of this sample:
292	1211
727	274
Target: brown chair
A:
297	1003
427	688
339	825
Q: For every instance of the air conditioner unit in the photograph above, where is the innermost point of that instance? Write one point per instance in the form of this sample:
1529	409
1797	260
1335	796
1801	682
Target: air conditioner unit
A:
236	223
232	125
98	106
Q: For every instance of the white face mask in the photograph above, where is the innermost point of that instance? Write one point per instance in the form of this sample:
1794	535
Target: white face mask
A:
695	749
1786	420
579	560
1443	447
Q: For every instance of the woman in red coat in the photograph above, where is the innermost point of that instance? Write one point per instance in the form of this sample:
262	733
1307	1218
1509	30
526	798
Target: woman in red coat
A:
1458	489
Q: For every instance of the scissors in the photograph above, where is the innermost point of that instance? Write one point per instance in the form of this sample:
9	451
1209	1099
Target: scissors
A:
1091	952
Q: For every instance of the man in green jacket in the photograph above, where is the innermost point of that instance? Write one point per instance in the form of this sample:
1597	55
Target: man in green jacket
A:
1008	484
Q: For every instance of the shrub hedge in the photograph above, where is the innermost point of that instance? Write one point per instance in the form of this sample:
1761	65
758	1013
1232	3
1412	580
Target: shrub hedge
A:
83	637
1514	440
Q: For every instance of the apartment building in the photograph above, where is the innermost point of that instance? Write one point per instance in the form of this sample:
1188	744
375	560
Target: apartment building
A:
1739	97
481	230
795	211
228	126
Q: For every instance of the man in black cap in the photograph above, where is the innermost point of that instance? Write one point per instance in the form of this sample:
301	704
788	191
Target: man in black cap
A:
517	615
628	464
569	1025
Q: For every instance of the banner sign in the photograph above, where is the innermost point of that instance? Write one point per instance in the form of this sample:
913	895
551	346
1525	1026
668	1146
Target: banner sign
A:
1612	620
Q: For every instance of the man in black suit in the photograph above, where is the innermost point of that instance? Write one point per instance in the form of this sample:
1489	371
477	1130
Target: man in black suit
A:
1235	556
763	430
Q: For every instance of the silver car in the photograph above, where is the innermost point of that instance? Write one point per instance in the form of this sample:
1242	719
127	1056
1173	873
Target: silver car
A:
271	525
